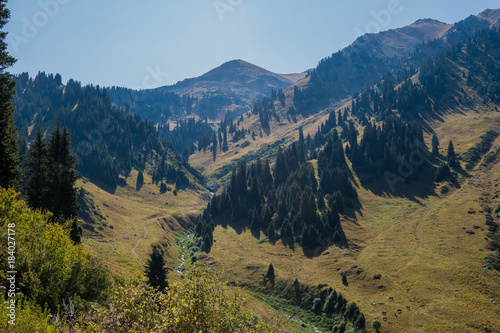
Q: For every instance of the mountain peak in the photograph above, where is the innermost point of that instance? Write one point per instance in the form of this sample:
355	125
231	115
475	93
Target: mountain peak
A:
397	42
428	21
237	66
490	15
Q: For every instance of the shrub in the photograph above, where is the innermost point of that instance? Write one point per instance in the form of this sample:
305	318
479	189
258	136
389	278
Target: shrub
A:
376	324
199	304
50	267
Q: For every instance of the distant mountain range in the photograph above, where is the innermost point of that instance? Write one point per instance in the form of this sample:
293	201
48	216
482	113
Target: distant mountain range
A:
232	88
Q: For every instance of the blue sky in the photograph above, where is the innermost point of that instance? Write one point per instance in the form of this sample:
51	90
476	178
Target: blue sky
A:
150	43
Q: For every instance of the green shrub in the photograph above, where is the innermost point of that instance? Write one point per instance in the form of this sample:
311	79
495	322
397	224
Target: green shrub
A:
50	267
199	304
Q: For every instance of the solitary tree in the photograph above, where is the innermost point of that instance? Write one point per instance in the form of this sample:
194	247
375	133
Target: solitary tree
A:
344	280
156	272
452	157
140	181
270	274
376	324
10	172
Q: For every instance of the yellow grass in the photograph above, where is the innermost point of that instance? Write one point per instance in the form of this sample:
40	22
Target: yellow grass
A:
139	219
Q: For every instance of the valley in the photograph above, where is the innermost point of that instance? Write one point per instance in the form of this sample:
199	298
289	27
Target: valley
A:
363	191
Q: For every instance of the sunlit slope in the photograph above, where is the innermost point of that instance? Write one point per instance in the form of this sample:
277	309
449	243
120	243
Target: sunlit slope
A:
427	247
137	219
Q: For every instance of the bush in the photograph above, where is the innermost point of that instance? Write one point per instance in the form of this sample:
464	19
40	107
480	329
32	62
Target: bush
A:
376	324
50	267
199	304
30	317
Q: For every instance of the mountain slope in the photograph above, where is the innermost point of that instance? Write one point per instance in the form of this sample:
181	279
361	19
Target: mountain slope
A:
372	56
232	87
424	256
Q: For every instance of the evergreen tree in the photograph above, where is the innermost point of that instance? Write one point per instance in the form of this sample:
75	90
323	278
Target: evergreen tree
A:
214	146
140	181
9	162
271	231
63	194
76	231
163	188
360	322
452	158
36	173
344	280
224	144
156	272
301	135
435	145
270	274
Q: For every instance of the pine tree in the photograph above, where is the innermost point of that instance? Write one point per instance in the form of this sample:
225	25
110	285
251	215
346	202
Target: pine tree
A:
360	322
214	146
156	272
270	274
36	174
163	188
435	145
10	171
452	158
63	194
140	181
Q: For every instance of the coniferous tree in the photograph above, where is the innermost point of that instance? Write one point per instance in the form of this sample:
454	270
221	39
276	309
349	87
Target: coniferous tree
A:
214	146
36	173
435	145
452	158
9	156
156	272
63	194
270	274
140	181
360	322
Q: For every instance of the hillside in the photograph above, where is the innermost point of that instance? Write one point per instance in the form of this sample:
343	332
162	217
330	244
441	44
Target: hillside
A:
422	254
120	219
372	56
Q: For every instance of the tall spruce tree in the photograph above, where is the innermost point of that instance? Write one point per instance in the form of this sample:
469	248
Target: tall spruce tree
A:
10	171
140	181
270	274
435	145
63	193
36	173
452	157
156	272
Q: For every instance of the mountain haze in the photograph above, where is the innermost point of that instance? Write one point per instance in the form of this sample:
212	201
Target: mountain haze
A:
232	87
235	77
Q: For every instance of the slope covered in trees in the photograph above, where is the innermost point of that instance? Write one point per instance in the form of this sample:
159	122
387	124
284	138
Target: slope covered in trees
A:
288	203
373	55
108	140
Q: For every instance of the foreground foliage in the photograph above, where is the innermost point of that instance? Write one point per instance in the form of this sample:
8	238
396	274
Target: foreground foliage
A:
50	267
199	304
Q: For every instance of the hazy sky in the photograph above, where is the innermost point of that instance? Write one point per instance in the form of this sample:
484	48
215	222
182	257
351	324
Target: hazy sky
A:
150	43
